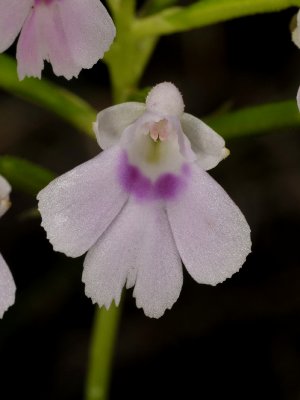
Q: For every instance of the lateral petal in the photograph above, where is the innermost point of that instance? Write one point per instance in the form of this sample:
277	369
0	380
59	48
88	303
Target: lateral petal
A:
206	143
112	121
12	16
77	207
211	233
88	28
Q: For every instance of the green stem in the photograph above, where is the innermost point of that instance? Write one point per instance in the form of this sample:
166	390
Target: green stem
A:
251	120
128	55
101	352
48	95
24	175
125	65
205	12
256	120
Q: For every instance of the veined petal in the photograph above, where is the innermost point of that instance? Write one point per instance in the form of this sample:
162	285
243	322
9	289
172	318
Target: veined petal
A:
113	258
5	190
206	143
88	28
137	247
31	49
159	270
57	48
12	16
77	207
112	121
211	233
7	287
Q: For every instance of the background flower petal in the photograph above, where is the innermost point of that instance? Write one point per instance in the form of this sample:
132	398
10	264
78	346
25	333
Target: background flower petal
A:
112	121
206	143
56	44
31	49
296	32
298	98
89	30
12	16
78	206
7	287
5	190
211	233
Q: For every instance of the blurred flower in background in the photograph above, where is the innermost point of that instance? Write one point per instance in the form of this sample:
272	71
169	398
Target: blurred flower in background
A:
7	284
70	34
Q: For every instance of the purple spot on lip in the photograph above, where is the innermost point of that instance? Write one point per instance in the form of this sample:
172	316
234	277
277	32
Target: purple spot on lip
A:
166	187
133	181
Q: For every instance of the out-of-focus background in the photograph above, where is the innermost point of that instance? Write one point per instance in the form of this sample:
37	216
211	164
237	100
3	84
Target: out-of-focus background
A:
239	340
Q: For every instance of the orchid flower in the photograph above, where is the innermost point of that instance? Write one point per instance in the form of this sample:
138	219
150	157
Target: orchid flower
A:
70	34
146	203
7	284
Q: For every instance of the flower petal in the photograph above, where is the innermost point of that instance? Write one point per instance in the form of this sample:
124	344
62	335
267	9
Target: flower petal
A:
88	28
159	274
138	246
56	46
12	16
31	50
5	190
211	233
112	121
7	287
206	143
78	206
296	31
113	258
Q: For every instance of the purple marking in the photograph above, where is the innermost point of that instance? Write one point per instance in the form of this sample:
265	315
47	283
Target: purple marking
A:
166	187
133	181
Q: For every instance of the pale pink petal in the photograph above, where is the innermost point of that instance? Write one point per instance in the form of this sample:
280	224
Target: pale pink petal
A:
12	16
5	190
56	46
77	207
113	258
112	121
31	50
43	38
183	141
7	287
159	270
211	233
296	31
88	28
298	99
206	143
137	247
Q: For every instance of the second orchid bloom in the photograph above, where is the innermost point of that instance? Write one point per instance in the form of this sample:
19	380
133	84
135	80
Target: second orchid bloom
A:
7	284
70	34
146	203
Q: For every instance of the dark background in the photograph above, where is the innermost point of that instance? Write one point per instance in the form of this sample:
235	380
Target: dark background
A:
239	340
